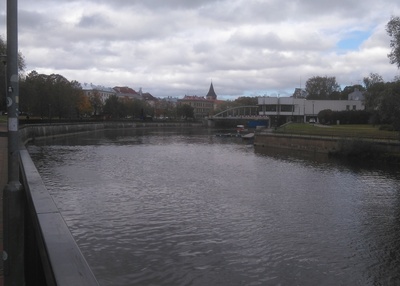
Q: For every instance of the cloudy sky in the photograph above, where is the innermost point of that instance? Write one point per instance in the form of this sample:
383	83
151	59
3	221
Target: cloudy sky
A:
177	47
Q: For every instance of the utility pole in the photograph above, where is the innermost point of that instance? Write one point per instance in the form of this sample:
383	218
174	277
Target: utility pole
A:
13	195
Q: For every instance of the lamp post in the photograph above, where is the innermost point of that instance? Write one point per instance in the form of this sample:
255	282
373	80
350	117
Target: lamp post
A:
13	196
4	61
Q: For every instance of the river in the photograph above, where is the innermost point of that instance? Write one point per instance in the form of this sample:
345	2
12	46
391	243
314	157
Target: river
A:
184	207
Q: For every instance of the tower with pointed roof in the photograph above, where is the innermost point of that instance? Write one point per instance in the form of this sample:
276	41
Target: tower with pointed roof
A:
211	95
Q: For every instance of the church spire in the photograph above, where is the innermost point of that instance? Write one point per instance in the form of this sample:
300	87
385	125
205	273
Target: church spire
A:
211	95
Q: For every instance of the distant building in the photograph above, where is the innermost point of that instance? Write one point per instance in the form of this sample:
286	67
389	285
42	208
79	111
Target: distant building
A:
125	92
151	100
202	107
301	109
299	93
356	95
211	95
102	91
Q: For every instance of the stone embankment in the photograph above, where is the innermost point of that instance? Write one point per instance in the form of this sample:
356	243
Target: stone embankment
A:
357	147
31	132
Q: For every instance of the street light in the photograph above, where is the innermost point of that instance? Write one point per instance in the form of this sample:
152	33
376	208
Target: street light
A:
13	195
4	61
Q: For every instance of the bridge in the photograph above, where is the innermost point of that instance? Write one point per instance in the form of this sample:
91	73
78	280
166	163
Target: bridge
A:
239	115
237	112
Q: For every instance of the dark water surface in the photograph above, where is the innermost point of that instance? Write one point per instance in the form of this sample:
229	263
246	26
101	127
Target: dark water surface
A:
170	207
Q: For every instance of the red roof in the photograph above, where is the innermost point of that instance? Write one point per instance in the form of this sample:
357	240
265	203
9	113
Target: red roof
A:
125	90
193	97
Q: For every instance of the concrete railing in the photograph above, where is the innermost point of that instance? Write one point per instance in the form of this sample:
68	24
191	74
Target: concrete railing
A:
52	256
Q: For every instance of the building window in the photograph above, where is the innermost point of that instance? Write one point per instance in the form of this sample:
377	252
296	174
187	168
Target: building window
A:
347	107
354	107
270	108
287	108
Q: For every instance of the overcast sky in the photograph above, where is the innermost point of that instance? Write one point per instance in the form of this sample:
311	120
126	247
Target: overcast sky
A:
177	47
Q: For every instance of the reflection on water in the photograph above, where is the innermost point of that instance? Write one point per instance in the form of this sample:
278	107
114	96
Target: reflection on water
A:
183	207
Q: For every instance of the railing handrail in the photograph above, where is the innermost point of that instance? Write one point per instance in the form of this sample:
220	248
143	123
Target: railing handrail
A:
62	261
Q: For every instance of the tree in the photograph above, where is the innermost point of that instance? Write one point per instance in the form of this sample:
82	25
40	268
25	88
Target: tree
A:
114	107
374	85
322	88
246	101
49	95
95	101
185	111
372	79
83	105
21	67
389	107
393	29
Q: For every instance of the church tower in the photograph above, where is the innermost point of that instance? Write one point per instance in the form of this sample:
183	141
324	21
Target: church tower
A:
211	95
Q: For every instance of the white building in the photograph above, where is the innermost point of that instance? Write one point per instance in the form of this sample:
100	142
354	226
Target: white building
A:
103	92
301	109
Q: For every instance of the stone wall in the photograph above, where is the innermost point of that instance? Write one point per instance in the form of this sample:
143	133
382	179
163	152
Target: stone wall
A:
30	132
318	144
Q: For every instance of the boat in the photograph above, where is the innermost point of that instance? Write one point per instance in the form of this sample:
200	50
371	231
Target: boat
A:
228	135
248	136
240	128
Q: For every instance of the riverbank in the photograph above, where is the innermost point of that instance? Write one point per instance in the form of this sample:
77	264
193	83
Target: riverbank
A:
32	132
346	147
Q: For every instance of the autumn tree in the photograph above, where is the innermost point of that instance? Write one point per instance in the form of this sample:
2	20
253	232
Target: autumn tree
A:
325	87
84	107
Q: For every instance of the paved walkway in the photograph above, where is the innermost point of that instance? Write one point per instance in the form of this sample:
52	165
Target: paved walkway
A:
3	182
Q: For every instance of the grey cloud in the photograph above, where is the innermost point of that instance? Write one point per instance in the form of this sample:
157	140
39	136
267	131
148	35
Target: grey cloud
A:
175	47
94	21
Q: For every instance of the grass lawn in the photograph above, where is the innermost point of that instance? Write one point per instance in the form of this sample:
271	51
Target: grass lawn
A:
359	131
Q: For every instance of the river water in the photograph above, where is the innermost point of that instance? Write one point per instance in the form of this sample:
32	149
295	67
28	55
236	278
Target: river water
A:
184	207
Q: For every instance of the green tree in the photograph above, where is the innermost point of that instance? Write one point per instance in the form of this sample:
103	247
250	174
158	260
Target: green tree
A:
389	107
95	101
114	107
185	111
322	88
393	30
49	95
374	86
3	66
246	101
372	79
34	94
137	108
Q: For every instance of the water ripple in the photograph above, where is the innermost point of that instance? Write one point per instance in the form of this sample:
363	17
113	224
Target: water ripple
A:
166	209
